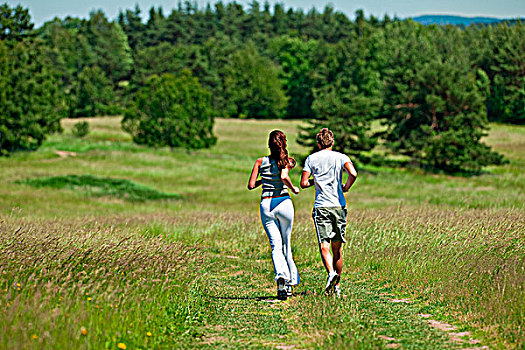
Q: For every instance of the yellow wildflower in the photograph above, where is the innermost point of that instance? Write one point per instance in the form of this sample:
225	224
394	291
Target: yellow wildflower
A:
34	336
18	284
89	299
83	330
122	346
149	334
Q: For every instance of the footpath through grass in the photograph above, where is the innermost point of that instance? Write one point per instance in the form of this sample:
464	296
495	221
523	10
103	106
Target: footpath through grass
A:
432	261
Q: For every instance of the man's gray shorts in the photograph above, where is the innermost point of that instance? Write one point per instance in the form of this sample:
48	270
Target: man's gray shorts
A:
330	224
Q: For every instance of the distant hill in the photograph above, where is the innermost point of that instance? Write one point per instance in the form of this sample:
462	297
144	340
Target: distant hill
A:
457	20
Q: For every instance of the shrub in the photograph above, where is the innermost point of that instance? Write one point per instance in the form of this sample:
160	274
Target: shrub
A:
172	111
81	129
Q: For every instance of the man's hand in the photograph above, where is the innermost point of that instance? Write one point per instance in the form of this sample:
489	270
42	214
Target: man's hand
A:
305	180
352	175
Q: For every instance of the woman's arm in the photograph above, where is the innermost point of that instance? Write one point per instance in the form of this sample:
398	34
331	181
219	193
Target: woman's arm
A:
352	175
253	182
287	181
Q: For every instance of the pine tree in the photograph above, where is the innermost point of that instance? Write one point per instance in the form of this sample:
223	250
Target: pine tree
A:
434	108
351	102
297	60
507	72
131	24
31	103
110	45
69	53
93	94
252	86
15	23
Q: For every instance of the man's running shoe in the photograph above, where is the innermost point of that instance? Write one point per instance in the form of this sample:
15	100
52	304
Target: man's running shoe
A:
289	290
337	290
333	279
281	289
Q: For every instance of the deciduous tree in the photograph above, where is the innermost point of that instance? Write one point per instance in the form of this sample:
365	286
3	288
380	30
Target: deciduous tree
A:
173	111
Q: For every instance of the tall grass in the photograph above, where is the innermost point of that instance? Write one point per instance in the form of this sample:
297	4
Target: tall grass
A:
87	283
469	262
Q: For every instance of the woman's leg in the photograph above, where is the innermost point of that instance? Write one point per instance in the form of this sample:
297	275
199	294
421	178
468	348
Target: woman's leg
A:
285	214
273	231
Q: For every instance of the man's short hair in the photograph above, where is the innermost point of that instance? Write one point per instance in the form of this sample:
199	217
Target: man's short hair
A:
325	138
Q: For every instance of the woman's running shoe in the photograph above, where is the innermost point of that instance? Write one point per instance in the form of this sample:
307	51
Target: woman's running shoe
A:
281	289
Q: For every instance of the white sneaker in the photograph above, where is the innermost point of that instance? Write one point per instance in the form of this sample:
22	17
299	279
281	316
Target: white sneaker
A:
337	290
333	279
289	290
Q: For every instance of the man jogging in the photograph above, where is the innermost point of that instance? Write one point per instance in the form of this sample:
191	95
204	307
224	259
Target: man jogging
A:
329	213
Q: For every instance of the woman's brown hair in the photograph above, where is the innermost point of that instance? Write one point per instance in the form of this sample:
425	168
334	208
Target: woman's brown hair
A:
278	151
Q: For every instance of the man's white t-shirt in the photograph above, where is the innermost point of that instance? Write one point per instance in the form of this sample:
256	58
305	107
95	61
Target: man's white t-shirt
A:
327	167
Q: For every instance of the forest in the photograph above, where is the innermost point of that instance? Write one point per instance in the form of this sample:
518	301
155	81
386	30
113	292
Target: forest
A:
394	91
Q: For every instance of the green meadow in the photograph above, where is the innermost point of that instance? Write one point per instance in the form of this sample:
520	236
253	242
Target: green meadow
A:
105	244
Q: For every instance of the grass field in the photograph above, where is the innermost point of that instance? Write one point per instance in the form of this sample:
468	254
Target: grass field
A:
107	244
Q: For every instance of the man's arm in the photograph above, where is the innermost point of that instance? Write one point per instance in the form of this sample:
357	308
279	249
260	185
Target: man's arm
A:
305	180
352	176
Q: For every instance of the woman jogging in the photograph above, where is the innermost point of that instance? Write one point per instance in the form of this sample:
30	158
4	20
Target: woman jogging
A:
277	211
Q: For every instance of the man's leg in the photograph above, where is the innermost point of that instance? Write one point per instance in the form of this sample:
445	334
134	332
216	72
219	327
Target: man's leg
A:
337	262
324	248
328	262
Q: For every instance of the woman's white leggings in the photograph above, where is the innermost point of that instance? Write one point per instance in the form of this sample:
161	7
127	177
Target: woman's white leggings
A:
277	216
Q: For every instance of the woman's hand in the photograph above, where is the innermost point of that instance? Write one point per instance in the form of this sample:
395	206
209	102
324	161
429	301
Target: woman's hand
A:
285	177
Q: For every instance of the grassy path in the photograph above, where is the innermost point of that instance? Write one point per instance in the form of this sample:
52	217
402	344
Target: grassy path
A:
243	312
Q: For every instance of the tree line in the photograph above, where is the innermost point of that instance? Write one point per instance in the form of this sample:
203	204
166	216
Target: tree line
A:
385	86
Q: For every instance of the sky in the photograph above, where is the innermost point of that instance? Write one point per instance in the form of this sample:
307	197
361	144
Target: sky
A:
44	10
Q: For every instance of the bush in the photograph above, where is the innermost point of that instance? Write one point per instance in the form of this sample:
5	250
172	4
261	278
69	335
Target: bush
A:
172	111
81	129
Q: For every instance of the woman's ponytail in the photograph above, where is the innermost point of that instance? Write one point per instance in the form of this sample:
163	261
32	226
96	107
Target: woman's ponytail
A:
278	151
